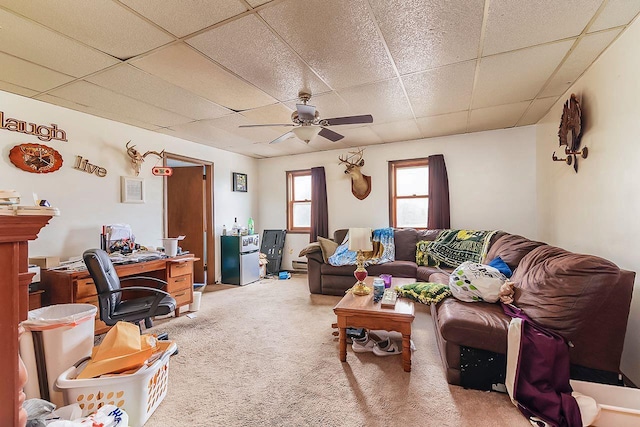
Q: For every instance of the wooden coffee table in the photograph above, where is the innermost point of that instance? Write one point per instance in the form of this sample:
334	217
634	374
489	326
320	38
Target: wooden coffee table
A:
361	312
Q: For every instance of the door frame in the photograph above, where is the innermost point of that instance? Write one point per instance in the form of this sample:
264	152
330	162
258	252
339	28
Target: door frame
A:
209	203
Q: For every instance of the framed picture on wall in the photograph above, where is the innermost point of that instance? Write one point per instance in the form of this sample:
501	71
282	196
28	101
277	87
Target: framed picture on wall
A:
239	182
131	190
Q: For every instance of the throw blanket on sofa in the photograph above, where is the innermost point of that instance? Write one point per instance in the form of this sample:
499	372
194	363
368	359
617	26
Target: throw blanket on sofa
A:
384	250
453	247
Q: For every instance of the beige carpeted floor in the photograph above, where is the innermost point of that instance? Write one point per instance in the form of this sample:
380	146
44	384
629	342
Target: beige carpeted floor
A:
264	355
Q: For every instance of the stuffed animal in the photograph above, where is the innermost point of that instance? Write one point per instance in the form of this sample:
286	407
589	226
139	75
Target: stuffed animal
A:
506	292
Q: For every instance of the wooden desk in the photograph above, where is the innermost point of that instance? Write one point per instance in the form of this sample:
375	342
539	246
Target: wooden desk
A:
64	287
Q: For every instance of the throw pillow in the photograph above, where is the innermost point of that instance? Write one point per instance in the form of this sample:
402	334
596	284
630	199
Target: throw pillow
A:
426	293
311	248
501	266
422	254
473	282
328	248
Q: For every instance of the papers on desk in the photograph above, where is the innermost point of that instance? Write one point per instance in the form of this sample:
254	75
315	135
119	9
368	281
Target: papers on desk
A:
77	264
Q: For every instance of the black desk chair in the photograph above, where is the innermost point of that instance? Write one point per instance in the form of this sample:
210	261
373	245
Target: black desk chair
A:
112	307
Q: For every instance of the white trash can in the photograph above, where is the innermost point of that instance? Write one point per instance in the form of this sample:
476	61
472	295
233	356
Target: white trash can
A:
55	338
195	305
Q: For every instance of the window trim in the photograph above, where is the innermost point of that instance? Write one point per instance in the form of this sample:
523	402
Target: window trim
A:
290	202
393	166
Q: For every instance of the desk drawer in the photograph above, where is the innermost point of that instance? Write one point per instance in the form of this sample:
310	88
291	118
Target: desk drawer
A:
182	297
179	283
85	288
180	268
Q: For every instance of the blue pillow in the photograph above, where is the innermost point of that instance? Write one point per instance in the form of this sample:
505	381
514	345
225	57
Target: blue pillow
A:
501	266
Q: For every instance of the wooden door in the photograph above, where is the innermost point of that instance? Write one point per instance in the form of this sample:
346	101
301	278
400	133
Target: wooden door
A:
186	213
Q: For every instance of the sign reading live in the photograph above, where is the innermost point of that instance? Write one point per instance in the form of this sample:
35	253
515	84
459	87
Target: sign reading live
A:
44	133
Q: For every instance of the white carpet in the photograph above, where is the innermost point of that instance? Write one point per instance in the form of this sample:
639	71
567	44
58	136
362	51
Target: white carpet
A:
264	355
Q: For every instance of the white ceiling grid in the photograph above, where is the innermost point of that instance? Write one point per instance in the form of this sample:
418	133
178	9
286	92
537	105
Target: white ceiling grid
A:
196	69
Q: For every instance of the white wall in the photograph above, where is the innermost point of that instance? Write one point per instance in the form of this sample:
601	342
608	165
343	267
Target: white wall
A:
596	210
87	201
491	183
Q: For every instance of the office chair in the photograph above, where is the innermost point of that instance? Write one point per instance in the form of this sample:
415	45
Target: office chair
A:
112	307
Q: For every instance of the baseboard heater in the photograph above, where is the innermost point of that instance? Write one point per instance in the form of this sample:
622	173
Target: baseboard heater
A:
299	265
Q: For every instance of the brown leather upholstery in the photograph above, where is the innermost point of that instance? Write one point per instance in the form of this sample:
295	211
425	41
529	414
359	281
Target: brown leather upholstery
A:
511	248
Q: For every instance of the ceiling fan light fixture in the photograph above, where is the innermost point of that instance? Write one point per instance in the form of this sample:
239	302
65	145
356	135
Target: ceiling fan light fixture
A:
306	133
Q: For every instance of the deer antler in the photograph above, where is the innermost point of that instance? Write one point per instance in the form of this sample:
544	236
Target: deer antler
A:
160	154
348	159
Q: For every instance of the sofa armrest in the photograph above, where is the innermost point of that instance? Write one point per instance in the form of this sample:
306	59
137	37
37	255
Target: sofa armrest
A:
315	256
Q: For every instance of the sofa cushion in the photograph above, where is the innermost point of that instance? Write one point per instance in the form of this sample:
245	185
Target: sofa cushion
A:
394	268
562	290
481	325
511	248
423	273
405	240
440	277
328	248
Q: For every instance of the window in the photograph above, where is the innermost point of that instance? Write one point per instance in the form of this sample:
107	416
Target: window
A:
299	201
409	193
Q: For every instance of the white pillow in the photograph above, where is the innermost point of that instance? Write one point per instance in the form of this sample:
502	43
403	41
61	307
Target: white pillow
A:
472	282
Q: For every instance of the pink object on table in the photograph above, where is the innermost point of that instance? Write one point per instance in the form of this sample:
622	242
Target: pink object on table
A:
387	280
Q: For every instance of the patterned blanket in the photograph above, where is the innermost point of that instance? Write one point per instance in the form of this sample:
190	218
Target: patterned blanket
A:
384	250
453	247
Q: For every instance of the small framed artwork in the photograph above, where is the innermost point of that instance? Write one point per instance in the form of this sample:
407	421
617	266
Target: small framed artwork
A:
239	182
131	190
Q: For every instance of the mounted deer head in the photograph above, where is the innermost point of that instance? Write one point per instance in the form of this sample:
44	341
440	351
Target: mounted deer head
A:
360	184
137	158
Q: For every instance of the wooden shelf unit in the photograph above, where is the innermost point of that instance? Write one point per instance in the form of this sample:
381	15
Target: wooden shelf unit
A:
64	287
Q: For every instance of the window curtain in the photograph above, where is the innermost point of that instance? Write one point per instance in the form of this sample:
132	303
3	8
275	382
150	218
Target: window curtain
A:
319	210
439	215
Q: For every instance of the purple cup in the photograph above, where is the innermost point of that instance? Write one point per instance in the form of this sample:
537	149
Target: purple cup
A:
387	280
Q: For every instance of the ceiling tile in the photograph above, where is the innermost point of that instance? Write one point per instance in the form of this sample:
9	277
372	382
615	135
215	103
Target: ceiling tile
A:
135	83
359	136
27	40
276	113
182	17
293	146
366	100
103	99
265	60
188	135
230	124
502	116
93	111
588	49
517	24
28	75
537	110
336	38
104	25
516	76
443	90
213	136
202	77
424	34
256	3
616	13
404	130
9	87
258	150
445	124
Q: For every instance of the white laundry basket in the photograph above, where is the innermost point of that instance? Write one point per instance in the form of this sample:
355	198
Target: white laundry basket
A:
55	338
138	394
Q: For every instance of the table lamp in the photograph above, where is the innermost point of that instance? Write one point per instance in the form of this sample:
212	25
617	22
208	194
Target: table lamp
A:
360	241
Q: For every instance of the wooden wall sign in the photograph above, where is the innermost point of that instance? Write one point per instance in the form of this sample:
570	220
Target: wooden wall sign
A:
44	133
84	165
35	158
162	171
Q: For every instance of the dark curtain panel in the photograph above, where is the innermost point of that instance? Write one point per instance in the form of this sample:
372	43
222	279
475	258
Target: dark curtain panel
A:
439	216
319	210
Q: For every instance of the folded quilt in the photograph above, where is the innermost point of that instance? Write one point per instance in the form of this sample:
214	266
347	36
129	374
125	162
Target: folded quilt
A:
384	250
453	247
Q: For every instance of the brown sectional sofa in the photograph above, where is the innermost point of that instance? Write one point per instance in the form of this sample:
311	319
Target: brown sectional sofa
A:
583	297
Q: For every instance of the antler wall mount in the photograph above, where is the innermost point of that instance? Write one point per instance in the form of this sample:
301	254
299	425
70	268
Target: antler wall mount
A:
137	158
570	133
360	183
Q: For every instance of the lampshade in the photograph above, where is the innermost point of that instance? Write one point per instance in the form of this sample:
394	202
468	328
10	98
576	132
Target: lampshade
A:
306	133
360	239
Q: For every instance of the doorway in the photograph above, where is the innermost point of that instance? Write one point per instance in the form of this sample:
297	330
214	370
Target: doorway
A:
188	211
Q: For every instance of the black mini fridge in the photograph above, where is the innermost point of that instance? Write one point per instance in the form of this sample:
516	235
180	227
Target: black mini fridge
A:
240	259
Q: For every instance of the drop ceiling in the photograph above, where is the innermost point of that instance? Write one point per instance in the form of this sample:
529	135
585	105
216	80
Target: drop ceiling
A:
199	69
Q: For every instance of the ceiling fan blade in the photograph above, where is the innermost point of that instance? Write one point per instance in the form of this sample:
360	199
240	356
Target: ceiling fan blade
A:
270	124
283	137
330	135
349	120
306	112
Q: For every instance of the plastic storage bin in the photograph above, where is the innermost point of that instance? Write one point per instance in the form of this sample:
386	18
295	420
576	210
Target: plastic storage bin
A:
619	406
139	394
55	338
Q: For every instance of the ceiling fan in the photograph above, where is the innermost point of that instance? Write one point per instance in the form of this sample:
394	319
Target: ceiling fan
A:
307	123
